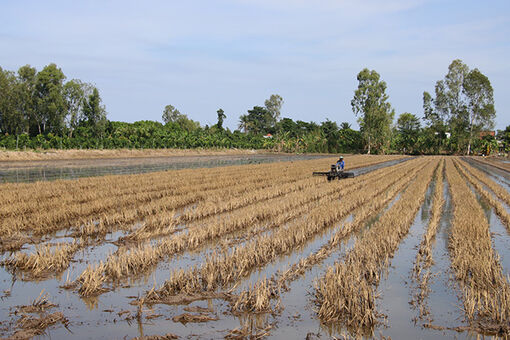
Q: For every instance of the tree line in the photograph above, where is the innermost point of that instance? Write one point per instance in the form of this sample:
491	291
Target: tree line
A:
40	109
453	119
41	102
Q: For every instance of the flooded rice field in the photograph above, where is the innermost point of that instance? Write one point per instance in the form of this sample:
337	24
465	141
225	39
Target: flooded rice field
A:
31	171
410	248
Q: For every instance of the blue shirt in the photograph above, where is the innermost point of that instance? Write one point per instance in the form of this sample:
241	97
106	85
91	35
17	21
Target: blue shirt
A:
340	164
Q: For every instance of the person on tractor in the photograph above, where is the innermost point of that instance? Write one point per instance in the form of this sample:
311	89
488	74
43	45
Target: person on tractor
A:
340	164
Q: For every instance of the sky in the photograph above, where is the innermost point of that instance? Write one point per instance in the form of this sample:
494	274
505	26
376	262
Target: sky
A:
200	56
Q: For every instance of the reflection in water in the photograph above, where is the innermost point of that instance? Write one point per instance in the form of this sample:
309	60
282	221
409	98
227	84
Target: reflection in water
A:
32	174
486	207
501	177
91	302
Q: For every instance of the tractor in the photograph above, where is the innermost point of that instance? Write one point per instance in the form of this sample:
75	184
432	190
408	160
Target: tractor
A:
334	173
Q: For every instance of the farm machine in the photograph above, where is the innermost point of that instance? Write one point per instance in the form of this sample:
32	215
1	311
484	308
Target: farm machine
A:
334	173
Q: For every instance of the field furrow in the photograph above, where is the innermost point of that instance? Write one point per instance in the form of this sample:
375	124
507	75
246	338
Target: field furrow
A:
74	214
500	192
411	248
486	292
346	292
125	263
424	261
89	215
490	197
162	224
256	298
494	163
222	269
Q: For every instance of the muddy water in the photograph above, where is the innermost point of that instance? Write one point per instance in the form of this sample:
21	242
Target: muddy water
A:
96	318
500	240
443	300
499	233
101	167
367	169
99	318
397	288
284	262
314	245
299	318
499	176
394	301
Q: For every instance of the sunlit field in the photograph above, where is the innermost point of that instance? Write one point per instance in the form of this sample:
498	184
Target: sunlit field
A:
411	247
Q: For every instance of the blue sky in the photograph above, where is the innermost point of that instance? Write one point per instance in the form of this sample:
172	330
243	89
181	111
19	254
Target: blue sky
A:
203	55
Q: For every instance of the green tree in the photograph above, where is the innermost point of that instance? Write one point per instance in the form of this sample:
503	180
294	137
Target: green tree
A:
51	110
26	94
464	104
480	103
221	118
504	137
435	131
345	126
374	111
244	123
187	124
329	130
8	101
450	104
307	127
273	106
170	114
287	126
408	127
94	114
258	120
488	144
75	94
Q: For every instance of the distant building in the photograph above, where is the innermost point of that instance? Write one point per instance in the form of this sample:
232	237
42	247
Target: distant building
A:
268	136
487	133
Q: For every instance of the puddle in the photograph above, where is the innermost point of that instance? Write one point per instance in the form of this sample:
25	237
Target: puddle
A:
394	301
499	234
500	181
298	317
97	318
315	244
